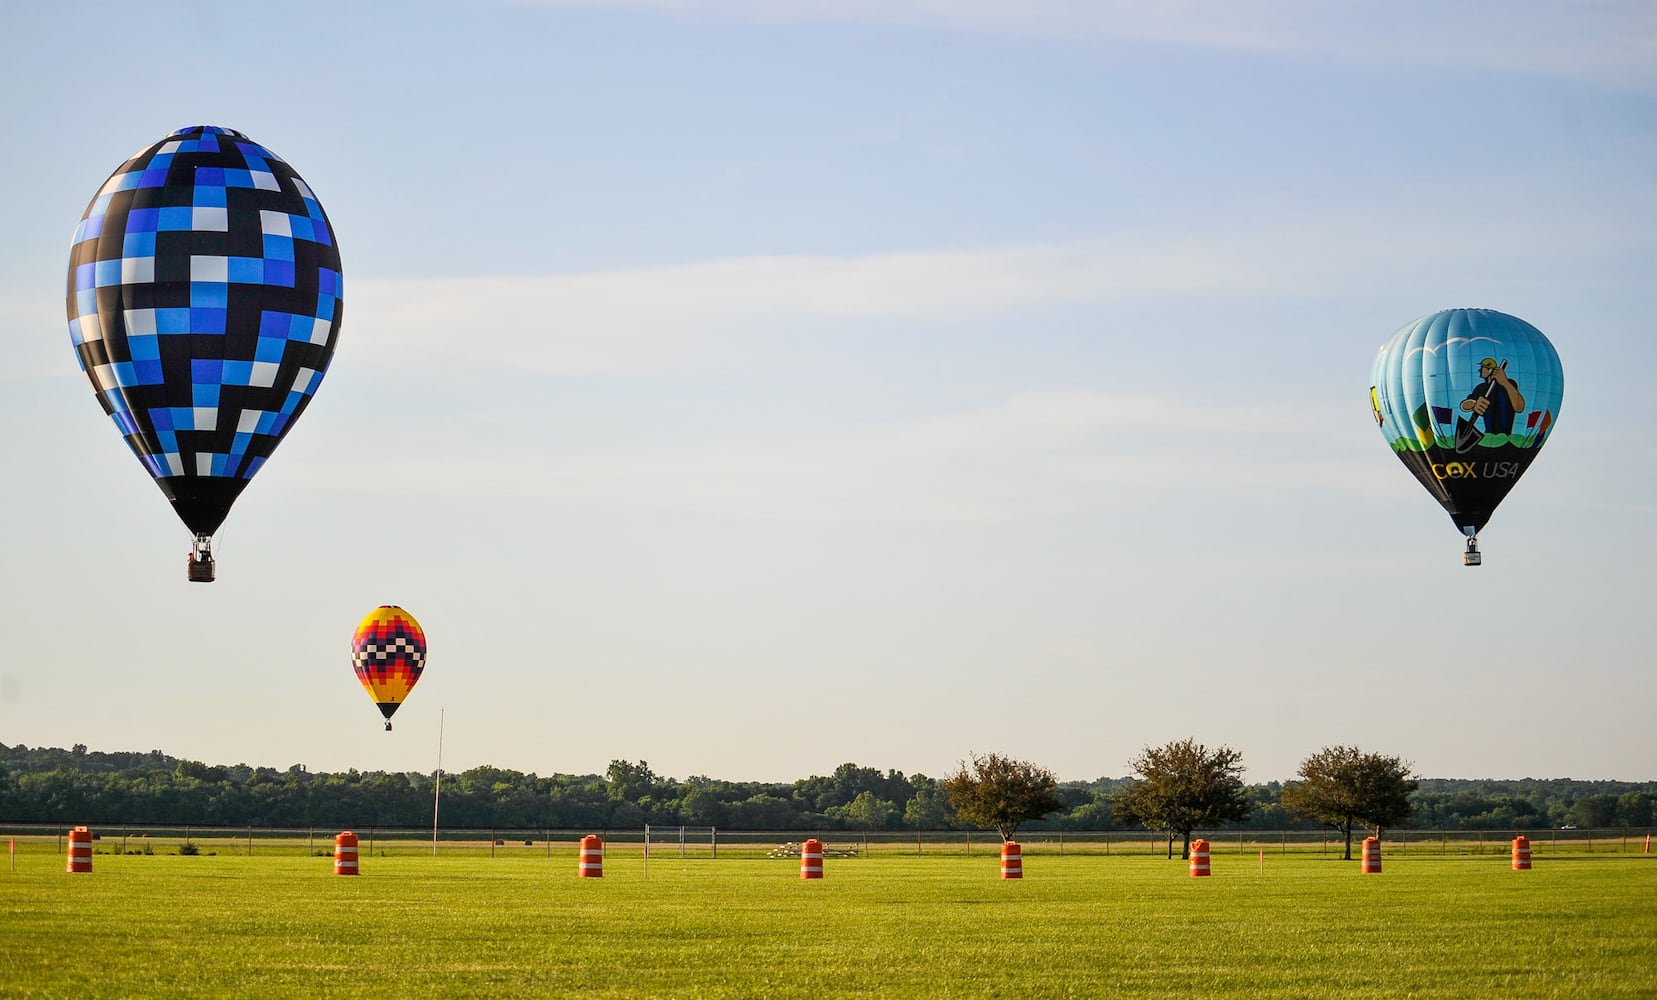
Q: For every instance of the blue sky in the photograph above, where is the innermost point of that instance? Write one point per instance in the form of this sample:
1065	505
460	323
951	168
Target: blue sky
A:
754	387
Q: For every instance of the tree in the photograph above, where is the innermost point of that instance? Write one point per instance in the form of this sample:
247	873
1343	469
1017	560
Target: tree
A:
864	812
996	791
1184	786
1592	811
927	809
1344	787
629	782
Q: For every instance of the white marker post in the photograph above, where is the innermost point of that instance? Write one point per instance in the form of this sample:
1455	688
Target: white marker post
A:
437	785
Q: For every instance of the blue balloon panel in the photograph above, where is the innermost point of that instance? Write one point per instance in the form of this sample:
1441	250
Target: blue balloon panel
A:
204	305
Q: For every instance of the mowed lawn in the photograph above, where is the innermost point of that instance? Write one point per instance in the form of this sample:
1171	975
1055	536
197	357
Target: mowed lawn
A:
883	926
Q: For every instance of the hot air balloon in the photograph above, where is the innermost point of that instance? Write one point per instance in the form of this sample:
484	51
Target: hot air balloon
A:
204	305
1467	398
388	652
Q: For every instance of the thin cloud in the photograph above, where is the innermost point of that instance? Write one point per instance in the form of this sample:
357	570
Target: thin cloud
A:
1614	41
678	316
1041	453
661	317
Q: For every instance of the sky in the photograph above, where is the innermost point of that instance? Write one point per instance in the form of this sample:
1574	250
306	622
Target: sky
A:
753	387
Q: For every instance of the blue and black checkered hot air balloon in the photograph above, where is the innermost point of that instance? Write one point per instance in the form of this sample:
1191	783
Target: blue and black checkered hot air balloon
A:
204	305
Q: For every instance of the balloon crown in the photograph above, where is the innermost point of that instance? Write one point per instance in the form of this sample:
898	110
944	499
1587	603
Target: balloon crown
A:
215	129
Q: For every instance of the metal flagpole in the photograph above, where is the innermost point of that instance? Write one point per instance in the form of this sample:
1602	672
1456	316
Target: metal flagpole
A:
437	786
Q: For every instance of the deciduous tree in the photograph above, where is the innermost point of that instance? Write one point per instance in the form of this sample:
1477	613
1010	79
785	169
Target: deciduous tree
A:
999	792
1184	786
866	812
1344	787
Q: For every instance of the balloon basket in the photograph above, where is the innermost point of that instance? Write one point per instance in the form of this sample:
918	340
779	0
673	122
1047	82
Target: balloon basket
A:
201	560
1472	557
201	570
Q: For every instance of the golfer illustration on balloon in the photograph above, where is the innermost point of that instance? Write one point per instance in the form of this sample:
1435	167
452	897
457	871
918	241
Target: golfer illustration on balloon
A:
1496	408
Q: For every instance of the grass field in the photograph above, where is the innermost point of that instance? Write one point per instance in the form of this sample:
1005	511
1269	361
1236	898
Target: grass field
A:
522	925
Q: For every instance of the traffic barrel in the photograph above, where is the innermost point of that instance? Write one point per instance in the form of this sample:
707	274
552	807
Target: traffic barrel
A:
345	853
80	850
1199	858
1521	854
592	857
1372	855
1012	860
811	859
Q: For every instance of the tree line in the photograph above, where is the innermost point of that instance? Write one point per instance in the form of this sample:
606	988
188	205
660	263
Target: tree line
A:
80	786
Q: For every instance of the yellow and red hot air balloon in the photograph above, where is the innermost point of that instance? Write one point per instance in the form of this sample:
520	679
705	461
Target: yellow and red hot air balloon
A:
388	652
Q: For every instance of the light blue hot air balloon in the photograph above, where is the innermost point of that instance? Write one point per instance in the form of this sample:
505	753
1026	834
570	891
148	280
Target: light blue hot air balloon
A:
1466	398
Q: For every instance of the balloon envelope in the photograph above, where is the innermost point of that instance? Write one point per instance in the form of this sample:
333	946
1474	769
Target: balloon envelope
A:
1466	398
388	651
204	304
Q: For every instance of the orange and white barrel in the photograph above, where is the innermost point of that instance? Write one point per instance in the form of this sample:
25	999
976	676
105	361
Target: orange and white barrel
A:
1199	858
1372	855
1521	854
1012	860
80	850
345	853
591	863
811	859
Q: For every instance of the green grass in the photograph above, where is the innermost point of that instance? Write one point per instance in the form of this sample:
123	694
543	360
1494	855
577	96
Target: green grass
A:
522	925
